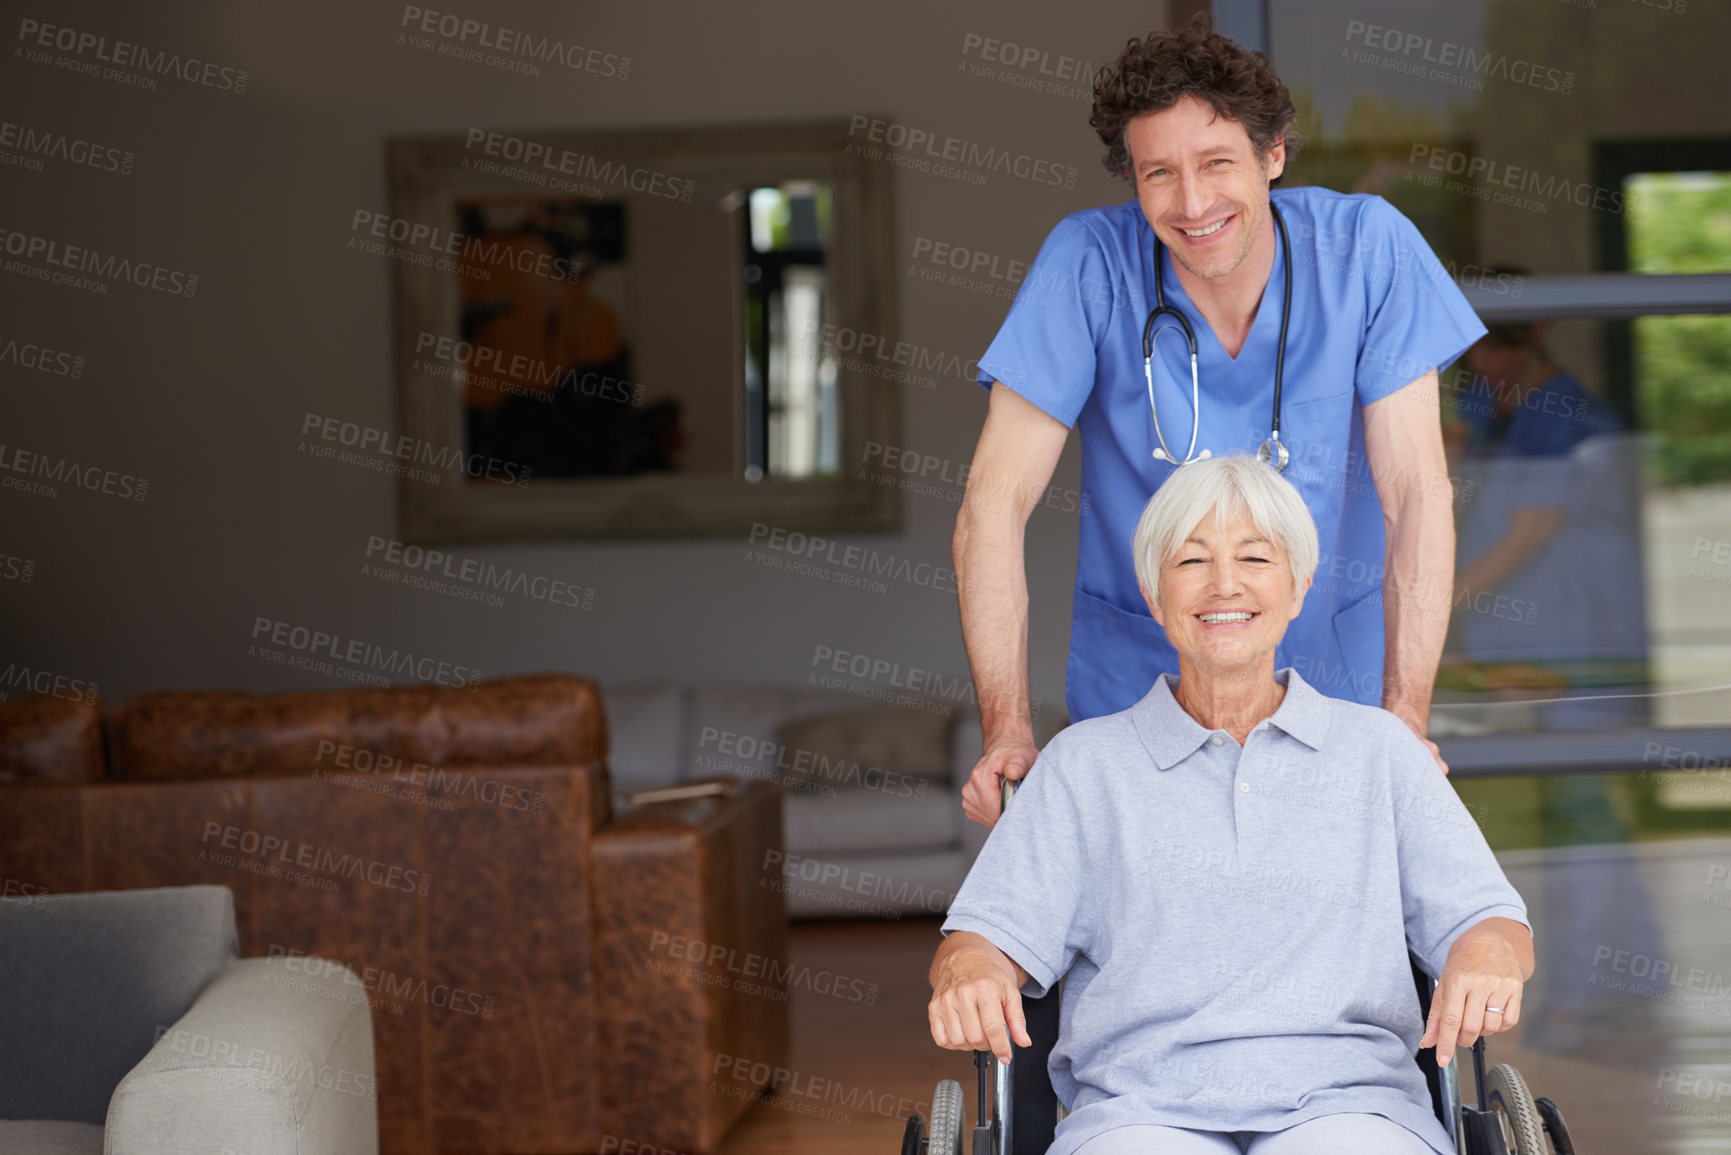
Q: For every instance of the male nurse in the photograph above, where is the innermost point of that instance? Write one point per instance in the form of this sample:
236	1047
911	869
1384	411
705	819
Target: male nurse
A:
1201	129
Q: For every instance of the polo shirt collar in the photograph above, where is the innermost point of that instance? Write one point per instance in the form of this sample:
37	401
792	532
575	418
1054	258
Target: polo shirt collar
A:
1171	735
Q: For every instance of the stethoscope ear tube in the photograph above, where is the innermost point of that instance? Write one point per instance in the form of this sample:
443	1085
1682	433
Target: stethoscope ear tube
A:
1163	310
1273	451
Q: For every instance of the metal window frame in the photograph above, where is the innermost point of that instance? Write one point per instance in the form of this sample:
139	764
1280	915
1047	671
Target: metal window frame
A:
1543	752
1601	296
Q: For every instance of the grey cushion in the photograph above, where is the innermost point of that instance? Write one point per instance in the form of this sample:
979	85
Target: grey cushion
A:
89	979
839	749
722	715
912	814
45	1137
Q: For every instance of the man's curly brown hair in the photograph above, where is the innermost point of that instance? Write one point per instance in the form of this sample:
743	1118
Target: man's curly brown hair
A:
1154	73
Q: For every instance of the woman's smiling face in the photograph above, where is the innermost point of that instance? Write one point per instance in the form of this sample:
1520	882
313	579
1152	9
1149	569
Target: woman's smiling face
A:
1226	594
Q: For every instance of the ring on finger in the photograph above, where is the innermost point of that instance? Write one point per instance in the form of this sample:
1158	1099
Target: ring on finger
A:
1493	1010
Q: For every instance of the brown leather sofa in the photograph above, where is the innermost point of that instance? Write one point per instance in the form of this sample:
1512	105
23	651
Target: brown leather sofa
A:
457	850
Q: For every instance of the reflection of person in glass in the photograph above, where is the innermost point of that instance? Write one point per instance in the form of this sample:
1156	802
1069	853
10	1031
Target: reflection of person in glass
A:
599	425
1548	561
574	410
1550	588
1520	404
1521	401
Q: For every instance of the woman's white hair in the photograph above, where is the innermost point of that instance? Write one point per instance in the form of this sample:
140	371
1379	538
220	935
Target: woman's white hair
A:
1226	486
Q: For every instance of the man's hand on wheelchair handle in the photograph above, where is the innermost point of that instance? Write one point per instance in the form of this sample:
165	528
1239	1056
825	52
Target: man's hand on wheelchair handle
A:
976	997
1416	723
981	801
1486	966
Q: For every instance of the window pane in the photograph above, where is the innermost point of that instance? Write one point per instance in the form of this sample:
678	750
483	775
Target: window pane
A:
1679	222
1527	138
1593	458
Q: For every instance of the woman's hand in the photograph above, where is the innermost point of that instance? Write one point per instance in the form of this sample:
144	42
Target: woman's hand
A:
976	990
1479	992
982	799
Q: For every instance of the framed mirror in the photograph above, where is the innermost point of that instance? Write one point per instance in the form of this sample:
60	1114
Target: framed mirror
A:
634	334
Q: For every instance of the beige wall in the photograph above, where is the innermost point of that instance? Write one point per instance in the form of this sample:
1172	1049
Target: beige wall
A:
206	397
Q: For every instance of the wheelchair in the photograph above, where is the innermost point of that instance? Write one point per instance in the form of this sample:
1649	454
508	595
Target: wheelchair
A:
1507	1120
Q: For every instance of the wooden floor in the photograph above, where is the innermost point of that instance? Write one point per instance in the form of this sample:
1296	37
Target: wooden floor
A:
878	1062
1613	1059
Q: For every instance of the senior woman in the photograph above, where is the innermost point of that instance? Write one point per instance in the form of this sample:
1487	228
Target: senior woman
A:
1231	873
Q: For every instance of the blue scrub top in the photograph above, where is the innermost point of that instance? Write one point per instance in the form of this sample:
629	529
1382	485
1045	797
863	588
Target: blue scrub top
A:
1372	310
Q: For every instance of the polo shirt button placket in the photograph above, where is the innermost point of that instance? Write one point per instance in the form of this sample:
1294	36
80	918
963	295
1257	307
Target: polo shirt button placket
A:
1246	819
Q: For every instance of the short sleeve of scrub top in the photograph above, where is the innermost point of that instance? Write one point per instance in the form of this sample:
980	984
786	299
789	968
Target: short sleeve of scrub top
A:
1046	349
1417	320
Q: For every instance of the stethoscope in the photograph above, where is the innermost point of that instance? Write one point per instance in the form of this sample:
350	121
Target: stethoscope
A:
1273	451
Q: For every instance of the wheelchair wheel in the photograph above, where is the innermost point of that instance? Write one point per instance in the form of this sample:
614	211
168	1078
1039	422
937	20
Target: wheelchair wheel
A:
949	1117
1555	1127
914	1135
1512	1106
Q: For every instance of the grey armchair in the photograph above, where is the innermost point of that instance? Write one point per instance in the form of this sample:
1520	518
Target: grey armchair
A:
129	1026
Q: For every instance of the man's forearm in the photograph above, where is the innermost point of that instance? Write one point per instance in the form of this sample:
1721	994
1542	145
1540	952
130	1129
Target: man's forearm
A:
991	578
1404	449
1417	589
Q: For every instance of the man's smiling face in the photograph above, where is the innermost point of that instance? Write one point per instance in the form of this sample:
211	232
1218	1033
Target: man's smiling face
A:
1202	185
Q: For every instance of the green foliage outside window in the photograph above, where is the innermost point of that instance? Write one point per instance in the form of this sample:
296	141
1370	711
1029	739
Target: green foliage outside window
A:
1681	223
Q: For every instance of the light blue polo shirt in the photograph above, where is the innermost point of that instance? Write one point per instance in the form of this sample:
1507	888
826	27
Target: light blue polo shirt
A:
1234	923
1372	310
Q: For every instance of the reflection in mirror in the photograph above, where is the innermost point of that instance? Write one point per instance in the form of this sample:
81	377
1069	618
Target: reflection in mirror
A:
550	384
791	427
632	331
